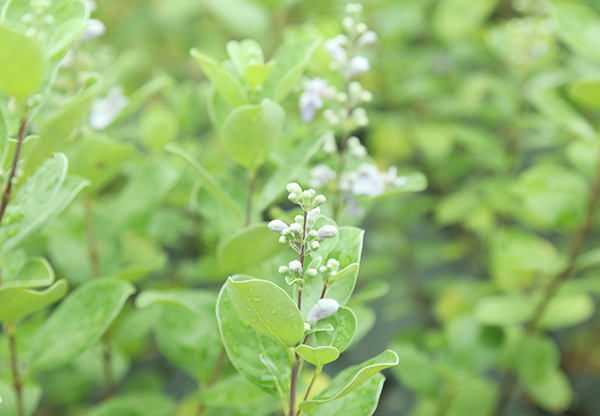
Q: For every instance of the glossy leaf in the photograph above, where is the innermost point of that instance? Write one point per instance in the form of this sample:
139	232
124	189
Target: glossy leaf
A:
79	322
22	64
268	309
344	328
361	402
244	346
227	85
250	131
352	378
318	356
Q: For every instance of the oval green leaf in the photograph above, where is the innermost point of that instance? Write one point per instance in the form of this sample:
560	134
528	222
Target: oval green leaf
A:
318	356
22	64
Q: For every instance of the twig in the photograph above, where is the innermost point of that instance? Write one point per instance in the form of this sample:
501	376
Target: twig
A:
13	170
14	364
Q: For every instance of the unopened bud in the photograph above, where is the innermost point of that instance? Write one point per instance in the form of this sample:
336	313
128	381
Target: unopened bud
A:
361	28
318	201
283	240
315	245
295	266
311	272
306	327
294	188
327	231
284	270
296	228
306	196
277	226
324	308
294	198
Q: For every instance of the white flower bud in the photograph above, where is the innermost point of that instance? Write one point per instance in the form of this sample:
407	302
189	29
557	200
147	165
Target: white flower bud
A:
296	228
94	29
323	269
361	28
314	246
333	264
295	266
294	188
341	97
284	270
324	308
299	219
306	327
348	23
314	213
283	240
277	226
318	201
329	144
353	141
312	234
366	96
288	234
312	272
367	38
358	65
327	231
306	196
294	198
341	39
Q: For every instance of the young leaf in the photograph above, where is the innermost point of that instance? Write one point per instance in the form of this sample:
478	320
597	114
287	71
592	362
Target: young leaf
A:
268	309
344	328
79	322
351	379
250	246
16	303
250	131
290	62
344	272
55	130
318	356
207	180
244	53
22	64
361	402
227	85
244	346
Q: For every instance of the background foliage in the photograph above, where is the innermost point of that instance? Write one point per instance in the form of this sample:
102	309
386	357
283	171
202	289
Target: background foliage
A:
485	284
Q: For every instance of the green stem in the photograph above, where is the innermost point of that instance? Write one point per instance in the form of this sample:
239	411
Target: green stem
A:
249	196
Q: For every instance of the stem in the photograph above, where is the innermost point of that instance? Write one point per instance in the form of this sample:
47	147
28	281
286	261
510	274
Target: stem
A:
94	254
14	364
214	377
250	193
294	383
574	248
13	170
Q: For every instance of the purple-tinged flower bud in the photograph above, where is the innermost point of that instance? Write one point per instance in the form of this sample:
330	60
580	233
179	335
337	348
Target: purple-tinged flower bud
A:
296	228
358	65
336	51
314	213
324	308
294	188
277	226
367	38
295	266
327	231
94	29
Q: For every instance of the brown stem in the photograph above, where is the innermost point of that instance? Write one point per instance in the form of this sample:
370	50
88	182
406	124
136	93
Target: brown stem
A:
250	194
14	364
13	170
94	254
574	248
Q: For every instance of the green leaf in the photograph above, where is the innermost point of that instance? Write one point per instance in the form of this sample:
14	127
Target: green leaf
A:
318	356
416	372
558	110
79	322
344	272
35	272
158	126
553	393
567	310
231	391
244	346
290	169
289	66
247	57
250	131
22	64
344	328
586	92
207	180
186	330
227	85
135	404
32	393
16	303
55	130
361	402
352	378
455	19
473	397
579	27
256	74
98	158
250	246
268	309
536	358
504	310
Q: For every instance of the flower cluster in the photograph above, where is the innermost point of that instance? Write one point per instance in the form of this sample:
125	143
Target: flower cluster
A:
300	235
344	51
